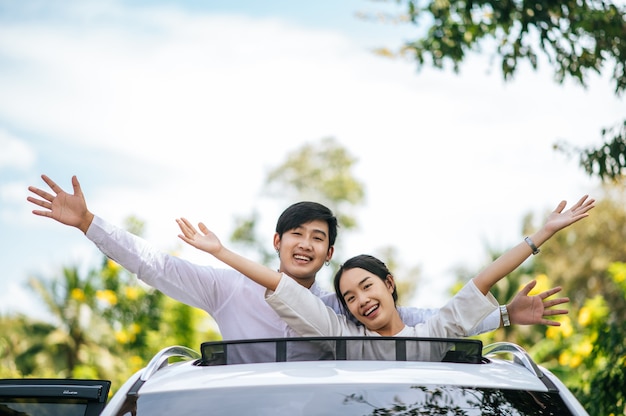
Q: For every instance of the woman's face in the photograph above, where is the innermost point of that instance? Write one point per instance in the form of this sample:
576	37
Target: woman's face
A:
370	300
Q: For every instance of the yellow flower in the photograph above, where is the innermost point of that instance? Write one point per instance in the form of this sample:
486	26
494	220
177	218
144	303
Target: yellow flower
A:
136	361
584	316
565	330
107	296
618	271
566	326
575	360
595	308
113	265
584	348
122	337
131	292
567	359
134	328
77	294
553	332
543	284
564	358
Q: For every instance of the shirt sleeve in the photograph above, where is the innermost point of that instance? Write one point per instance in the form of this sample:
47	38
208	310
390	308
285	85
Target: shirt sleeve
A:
489	324
461	315
203	287
412	316
303	311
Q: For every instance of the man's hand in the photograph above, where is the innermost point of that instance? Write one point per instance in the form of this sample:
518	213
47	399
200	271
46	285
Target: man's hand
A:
532	310
68	209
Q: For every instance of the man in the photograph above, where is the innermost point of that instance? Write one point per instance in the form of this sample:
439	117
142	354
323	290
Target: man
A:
304	240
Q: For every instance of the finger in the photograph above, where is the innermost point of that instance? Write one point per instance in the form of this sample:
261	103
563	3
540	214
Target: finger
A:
529	286
552	312
579	202
187	228
550	323
553	302
185	239
559	208
41	193
550	292
41	213
187	223
588	205
56	188
76	185
184	228
44	204
583	205
203	228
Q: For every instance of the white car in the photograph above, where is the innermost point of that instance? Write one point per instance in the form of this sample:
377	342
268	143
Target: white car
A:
339	376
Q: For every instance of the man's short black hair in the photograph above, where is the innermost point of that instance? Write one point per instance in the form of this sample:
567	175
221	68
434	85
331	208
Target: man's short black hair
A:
307	211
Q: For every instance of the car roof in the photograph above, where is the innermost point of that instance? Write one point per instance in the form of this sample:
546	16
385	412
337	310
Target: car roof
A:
494	374
466	363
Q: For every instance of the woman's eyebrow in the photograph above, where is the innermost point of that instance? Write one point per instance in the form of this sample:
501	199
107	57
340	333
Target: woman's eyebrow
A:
360	283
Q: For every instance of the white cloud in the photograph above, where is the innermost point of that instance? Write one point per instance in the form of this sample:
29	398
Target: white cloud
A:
15	153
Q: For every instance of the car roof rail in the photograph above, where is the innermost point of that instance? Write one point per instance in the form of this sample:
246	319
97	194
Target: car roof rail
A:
161	359
521	357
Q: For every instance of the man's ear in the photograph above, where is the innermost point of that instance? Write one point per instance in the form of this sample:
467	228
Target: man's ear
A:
329	253
276	241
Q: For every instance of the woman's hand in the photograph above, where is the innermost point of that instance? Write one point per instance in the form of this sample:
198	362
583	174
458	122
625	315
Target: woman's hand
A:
207	241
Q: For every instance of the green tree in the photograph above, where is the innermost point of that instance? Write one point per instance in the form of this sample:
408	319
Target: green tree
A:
576	37
587	351
23	348
602	384
79	333
105	324
589	264
319	171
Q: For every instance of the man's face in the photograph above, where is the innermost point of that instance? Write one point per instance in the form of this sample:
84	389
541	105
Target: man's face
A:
303	250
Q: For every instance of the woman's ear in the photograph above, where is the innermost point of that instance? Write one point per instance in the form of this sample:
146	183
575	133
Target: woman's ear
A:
391	285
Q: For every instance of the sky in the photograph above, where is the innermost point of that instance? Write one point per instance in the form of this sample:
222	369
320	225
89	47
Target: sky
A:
180	108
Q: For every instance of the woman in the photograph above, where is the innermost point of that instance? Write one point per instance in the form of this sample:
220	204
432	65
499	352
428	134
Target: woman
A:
367	290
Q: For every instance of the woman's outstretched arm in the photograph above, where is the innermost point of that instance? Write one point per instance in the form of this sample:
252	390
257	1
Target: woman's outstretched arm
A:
207	241
509	261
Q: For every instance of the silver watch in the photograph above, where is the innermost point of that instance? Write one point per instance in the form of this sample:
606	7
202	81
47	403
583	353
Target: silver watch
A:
504	313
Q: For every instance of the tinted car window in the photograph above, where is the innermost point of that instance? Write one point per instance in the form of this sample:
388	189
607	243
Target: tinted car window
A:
24	407
347	400
52	397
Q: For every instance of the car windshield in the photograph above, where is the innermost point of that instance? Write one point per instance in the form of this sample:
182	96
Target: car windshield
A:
347	400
